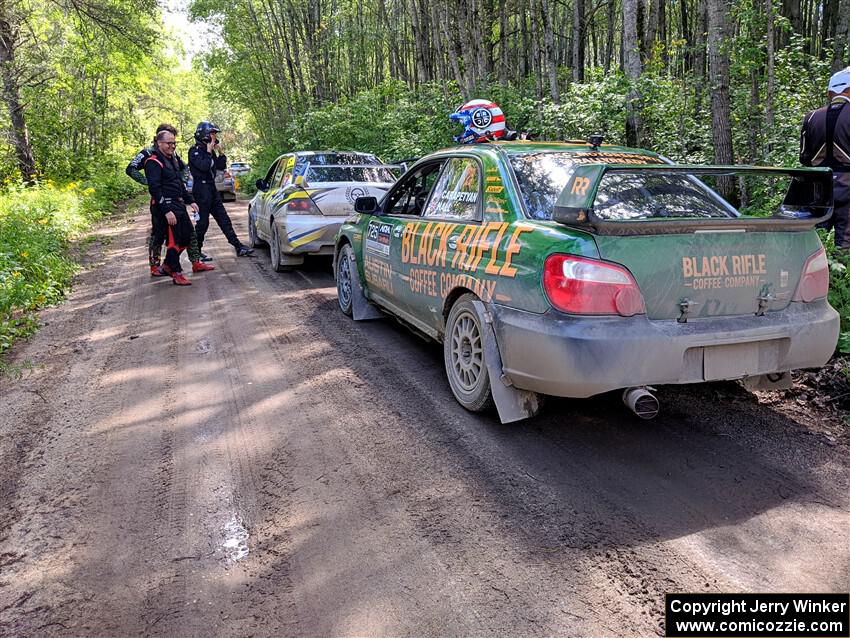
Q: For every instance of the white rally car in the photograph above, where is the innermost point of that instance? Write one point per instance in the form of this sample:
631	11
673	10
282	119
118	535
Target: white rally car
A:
305	197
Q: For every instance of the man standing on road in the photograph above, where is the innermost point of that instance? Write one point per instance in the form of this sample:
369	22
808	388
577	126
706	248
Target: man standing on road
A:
204	161
825	141
165	183
158	231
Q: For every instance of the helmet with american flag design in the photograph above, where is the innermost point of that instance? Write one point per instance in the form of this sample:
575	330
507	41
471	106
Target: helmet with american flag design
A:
482	120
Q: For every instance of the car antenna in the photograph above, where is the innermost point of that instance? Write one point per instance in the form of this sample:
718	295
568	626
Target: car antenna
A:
595	141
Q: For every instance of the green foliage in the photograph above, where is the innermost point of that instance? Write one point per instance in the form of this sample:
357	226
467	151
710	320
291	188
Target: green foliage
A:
839	287
36	225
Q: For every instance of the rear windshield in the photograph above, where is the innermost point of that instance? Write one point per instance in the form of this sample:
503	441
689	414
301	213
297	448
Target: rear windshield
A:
623	197
542	177
349	174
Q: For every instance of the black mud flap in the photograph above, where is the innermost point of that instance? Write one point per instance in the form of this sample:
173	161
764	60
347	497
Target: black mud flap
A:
512	404
361	309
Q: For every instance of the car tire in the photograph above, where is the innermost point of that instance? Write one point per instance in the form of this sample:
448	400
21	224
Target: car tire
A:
274	250
346	269
253	238
463	355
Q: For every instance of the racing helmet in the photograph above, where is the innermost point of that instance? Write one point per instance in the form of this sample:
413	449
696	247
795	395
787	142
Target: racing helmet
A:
203	131
482	121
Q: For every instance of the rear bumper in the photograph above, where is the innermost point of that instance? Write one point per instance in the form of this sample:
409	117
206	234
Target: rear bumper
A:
308	234
570	356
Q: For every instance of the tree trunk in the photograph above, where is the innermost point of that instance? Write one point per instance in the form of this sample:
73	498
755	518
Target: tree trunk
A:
769	118
503	43
632	67
578	40
609	39
549	43
721	111
19	133
841	56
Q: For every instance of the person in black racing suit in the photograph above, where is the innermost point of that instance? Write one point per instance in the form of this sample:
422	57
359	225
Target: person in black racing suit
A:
204	161
158	233
166	186
825	141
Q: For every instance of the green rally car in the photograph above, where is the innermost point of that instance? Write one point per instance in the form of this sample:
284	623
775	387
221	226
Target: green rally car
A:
572	269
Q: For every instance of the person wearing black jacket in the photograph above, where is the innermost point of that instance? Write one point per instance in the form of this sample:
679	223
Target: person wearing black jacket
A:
825	141
158	234
204	161
169	193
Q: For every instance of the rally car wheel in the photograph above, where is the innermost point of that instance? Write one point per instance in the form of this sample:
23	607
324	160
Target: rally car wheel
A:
253	237
463	353
345	270
274	250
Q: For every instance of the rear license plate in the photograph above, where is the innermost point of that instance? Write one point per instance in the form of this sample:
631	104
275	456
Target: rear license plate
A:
740	359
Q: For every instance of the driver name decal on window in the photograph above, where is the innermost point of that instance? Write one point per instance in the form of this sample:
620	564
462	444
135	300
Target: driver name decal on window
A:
455	194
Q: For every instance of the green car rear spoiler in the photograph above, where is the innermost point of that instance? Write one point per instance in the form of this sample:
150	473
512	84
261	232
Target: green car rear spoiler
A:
807	202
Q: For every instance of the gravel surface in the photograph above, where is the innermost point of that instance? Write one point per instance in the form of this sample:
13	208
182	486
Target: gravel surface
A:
239	459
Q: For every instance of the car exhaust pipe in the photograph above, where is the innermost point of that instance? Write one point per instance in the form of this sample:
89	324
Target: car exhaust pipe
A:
642	402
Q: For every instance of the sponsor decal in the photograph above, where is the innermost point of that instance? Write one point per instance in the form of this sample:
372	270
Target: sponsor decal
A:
724	271
473	245
378	238
481	118
353	192
494	189
432	283
378	273
613	158
580	186
494	178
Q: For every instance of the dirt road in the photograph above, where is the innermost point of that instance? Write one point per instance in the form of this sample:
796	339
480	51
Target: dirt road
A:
239	459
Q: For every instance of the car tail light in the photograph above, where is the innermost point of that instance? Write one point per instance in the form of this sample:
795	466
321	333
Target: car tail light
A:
814	284
582	286
302	206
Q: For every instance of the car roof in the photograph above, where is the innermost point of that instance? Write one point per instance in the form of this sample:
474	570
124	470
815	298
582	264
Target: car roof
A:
309	153
522	147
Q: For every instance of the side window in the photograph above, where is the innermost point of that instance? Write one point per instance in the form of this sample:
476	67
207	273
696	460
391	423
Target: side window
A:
289	164
410	196
278	173
270	174
457	190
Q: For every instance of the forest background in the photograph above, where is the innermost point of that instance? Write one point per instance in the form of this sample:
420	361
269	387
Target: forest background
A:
84	83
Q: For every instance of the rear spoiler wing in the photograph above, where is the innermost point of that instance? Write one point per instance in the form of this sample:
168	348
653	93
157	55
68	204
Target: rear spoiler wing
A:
807	202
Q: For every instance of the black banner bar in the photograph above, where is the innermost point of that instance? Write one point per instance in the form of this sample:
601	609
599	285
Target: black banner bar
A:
757	616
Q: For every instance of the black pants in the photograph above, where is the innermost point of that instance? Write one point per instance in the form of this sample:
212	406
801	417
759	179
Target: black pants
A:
177	237
209	202
159	236
840	221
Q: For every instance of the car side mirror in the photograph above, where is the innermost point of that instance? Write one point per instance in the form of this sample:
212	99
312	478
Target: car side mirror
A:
367	205
262	186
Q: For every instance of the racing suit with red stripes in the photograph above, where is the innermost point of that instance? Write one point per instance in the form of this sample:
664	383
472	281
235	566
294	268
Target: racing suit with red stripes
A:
158	233
168	191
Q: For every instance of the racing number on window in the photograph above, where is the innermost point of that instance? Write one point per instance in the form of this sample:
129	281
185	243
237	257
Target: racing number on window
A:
456	193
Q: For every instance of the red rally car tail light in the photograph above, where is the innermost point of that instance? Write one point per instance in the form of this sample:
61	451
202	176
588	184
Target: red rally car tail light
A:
302	206
814	284
583	286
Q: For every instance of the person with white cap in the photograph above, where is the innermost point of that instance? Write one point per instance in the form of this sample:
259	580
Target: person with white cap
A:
825	141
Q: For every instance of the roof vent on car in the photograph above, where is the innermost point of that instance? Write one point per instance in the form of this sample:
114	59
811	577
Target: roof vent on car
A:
595	141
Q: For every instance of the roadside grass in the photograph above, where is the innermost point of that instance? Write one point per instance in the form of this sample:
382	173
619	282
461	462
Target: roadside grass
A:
37	225
839	287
